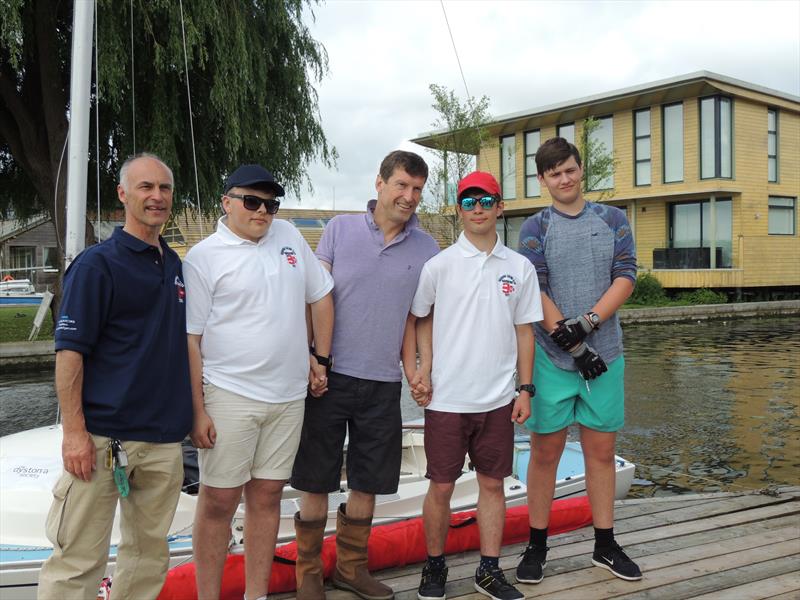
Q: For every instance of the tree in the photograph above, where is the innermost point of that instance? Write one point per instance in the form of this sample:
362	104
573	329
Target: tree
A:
598	161
463	131
252	65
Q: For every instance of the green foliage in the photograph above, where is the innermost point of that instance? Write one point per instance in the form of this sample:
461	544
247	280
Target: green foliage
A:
648	291
598	161
463	128
252	68
16	323
702	296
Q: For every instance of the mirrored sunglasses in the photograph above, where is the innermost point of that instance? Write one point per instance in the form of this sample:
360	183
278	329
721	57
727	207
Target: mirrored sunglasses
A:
486	202
255	202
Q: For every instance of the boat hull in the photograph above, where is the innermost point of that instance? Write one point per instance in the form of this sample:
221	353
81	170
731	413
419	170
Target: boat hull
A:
35	454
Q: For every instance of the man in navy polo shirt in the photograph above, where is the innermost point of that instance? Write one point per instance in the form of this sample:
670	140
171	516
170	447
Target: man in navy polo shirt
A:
122	380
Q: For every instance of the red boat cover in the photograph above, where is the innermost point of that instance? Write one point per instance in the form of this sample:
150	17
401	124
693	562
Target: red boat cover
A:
392	545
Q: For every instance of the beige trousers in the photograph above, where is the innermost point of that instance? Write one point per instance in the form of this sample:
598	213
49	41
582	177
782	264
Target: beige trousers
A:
80	520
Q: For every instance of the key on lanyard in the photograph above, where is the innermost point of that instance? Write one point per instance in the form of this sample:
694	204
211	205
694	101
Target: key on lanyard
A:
109	456
120	462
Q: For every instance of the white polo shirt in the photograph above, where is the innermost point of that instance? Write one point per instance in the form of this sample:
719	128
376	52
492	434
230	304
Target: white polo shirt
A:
248	301
479	299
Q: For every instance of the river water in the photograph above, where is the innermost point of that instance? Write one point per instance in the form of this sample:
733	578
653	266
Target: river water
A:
710	406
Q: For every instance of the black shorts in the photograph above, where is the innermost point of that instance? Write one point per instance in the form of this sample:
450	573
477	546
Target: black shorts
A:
370	412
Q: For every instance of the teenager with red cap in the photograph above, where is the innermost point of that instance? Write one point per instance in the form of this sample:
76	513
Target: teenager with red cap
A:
488	296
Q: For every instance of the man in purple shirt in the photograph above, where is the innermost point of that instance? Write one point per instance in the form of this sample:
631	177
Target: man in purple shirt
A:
375	260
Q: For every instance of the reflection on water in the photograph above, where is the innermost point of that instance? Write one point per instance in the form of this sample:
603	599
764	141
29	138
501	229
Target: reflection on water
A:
714	406
710	406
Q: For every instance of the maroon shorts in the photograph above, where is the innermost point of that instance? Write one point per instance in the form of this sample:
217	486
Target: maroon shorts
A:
488	437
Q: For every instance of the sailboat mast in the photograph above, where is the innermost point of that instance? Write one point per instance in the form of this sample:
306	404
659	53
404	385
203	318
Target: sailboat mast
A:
78	152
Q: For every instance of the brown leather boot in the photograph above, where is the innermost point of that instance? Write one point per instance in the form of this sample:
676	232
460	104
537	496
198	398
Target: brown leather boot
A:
308	568
351	559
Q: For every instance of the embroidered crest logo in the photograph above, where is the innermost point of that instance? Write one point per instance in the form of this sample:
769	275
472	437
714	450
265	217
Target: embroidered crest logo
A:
507	284
180	289
291	256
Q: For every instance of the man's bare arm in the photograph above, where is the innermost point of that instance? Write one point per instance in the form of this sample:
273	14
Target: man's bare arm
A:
77	448
203	434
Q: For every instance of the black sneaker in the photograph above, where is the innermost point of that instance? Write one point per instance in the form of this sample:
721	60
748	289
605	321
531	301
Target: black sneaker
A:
493	584
534	560
615	560
431	587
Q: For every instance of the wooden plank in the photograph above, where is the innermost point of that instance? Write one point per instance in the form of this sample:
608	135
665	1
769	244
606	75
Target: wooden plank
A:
716	536
662	578
652	564
691	588
464	566
786	596
671	516
755	590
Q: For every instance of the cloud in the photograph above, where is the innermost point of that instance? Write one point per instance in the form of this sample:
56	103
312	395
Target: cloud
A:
522	54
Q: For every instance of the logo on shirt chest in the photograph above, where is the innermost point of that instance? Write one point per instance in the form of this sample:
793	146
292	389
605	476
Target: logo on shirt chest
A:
180	290
290	254
507	284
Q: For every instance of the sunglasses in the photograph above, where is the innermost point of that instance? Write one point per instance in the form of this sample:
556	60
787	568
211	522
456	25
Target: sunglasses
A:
255	202
486	202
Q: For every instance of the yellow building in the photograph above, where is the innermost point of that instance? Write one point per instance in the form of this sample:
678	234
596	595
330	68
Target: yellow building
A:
185	229
707	168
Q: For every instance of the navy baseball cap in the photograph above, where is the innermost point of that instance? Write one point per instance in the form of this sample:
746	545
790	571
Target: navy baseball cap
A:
253	175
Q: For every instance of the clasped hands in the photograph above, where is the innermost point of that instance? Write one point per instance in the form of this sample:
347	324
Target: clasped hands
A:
317	378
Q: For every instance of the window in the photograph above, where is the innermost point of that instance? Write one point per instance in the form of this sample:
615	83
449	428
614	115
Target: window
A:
602	139
715	137
672	119
692	228
567	131
48	257
532	141
772	145
307	223
781	216
23	260
641	140
508	167
172	235
512	228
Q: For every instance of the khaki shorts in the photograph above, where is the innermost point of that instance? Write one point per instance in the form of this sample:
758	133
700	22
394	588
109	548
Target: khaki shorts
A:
255	440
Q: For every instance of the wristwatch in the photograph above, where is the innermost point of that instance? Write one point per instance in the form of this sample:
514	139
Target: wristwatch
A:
594	319
325	361
527	387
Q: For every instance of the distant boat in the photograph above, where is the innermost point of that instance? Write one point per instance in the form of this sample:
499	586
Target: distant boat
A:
19	291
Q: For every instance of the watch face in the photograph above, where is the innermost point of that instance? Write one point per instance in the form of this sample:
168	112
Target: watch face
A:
595	318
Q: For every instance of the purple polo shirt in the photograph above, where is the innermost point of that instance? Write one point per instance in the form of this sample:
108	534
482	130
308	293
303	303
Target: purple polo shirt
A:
374	286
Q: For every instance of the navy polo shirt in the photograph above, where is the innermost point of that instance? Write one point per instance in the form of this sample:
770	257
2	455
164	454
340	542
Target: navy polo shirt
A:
124	310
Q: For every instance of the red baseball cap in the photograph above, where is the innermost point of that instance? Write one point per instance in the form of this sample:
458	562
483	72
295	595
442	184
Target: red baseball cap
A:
481	180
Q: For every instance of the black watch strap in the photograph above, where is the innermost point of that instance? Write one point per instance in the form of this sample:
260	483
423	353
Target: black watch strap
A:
325	361
527	387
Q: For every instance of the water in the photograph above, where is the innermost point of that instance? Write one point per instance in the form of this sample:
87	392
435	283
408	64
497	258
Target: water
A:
710	406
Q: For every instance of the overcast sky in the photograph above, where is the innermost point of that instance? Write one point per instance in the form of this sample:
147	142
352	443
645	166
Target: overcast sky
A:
522	54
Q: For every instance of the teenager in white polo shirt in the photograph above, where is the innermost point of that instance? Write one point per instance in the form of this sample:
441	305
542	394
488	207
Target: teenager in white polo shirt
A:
486	299
248	286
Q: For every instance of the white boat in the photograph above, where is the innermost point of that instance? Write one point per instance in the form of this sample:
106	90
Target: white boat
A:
30	463
571	473
19	291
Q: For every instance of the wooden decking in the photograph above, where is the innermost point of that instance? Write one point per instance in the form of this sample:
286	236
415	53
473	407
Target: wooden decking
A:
724	545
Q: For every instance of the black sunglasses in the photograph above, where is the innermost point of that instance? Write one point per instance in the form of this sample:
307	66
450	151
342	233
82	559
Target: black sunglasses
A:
255	202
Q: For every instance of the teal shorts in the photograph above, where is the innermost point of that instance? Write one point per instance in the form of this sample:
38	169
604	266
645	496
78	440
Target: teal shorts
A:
562	397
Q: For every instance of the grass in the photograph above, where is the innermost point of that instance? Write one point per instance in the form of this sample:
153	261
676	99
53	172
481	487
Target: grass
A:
16	323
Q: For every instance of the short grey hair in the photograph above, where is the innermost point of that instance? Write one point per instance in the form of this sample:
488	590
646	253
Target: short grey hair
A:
123	171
